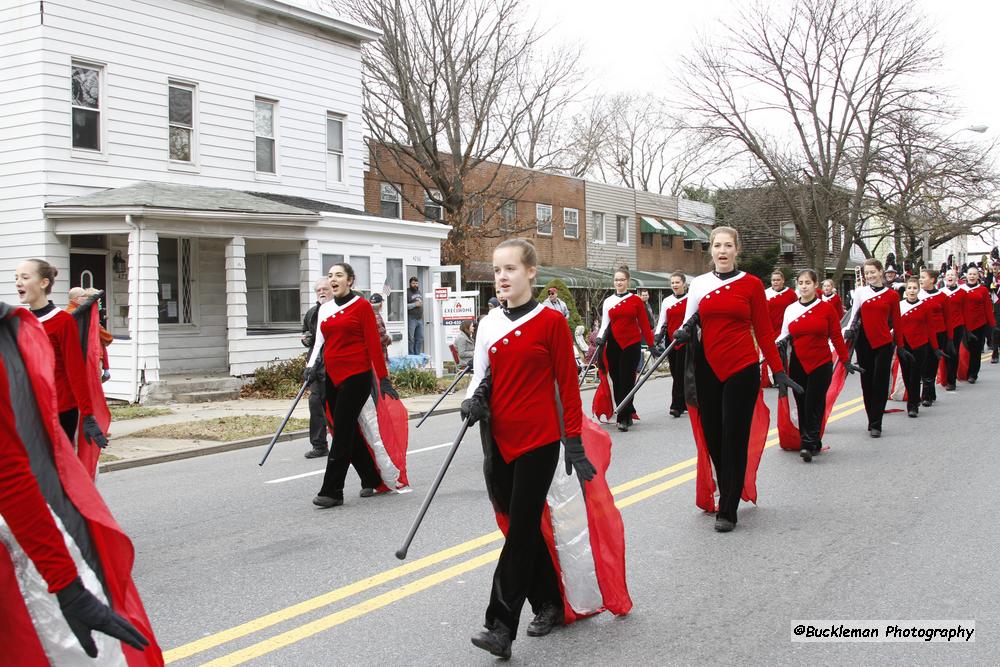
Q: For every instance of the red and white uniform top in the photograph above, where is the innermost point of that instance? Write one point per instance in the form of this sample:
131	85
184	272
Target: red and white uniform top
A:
977	307
626	314
913	329
70	368
776	304
812	327
348	335
834	300
530	359
671	314
938	315
878	310
956	306
732	311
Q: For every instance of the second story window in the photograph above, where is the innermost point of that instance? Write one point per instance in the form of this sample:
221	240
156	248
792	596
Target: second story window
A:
390	201
181	120
334	149
263	127
432	209
598	227
571	223
86	102
543	219
508	215
622	228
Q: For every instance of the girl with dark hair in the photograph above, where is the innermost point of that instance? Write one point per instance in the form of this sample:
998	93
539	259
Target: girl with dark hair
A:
809	326
624	322
34	280
915	342
671	315
348	337
874	311
938	317
725	402
979	320
779	297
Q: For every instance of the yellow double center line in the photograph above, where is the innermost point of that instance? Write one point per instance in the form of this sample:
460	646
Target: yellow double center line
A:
423	583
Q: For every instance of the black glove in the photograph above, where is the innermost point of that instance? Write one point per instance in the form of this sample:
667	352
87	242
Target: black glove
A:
853	368
971	338
658	338
904	355
85	613
783	346
685	332
308	340
92	432
781	379
599	341
939	353
658	350
385	387
576	459
950	349
850	335
477	407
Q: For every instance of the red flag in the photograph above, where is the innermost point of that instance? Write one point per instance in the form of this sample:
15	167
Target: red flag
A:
90	337
963	363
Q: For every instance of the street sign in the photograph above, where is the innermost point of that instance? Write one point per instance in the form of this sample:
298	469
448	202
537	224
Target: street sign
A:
441	293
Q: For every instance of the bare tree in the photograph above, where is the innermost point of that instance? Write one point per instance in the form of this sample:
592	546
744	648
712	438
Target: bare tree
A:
446	95
807	94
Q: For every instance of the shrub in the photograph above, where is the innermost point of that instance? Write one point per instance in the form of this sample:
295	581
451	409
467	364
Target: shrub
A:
414	381
278	379
567	297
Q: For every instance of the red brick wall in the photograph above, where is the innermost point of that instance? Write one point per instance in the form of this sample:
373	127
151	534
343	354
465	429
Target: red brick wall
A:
666	260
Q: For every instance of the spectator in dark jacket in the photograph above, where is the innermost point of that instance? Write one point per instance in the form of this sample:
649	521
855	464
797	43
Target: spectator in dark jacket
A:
317	390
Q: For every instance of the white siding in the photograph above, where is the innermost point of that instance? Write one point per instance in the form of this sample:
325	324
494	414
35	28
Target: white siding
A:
612	201
650	203
696	211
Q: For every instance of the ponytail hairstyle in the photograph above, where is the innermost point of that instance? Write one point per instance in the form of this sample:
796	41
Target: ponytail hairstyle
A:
623	268
529	256
45	272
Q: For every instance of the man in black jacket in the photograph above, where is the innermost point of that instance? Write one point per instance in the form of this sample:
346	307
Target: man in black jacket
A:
317	390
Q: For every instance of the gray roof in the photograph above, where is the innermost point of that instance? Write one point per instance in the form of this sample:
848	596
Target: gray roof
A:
190	198
308	204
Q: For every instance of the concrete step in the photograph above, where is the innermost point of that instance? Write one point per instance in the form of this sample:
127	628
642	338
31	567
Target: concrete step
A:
207	396
171	387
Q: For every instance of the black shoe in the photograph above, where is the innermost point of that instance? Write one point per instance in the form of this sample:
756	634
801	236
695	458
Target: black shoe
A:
927	403
316	453
622	426
723	525
911	413
995	359
496	640
367	492
949	387
972	380
674	412
327	502
806	455
875	432
550	616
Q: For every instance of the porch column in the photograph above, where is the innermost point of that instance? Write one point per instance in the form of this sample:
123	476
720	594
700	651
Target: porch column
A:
143	306
236	293
309	272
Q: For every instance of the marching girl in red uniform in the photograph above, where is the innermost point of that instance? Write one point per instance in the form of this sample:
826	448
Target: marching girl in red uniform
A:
811	324
938	316
671	315
915	341
347	334
564	547
624	323
956	326
873	314
830	295
979	320
727	411
34	280
779	297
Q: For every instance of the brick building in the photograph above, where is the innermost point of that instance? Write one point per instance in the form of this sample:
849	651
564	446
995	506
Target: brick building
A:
673	234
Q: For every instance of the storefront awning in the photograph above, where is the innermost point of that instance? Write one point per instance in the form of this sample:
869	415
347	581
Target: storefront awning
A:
651	225
694	233
674	227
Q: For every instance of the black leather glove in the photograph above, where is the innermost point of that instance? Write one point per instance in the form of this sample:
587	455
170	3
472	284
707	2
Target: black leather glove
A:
86	613
781	379
658	338
92	432
308	340
685	332
658	350
850	335
386	389
939	353
782	346
309	375
576	459
477	407
972	338
853	368
904	355
599	341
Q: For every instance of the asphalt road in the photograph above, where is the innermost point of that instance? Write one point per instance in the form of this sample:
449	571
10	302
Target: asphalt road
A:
235	564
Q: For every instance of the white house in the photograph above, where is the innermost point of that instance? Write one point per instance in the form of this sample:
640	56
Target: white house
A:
200	160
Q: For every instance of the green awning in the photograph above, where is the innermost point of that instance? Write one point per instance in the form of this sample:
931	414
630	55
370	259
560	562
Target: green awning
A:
649	280
574	277
694	233
673	228
651	225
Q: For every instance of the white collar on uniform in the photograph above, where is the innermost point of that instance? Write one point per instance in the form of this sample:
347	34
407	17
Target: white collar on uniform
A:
615	300
330	308
905	306
496	325
704	285
770	293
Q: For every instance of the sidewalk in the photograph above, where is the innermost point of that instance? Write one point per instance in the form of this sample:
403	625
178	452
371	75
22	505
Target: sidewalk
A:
125	451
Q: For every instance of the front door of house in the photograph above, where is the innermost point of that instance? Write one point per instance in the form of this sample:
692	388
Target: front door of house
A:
88	270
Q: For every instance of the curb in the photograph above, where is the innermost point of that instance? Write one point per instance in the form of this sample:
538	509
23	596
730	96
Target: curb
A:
112	466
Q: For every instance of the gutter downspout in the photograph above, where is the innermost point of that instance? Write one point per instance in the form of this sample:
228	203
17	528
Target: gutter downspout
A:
134	323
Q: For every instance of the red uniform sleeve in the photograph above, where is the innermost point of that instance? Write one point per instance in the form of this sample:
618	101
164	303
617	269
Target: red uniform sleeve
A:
24	508
74	364
373	341
643	320
946	314
761	319
564	366
836	337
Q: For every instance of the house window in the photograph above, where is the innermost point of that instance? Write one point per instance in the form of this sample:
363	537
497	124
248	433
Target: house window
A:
272	288
362	265
86	103
571	223
598	227
787	237
334	149
622	229
390	201
666	240
174	298
508	216
475	217
688	244
646	239
329	261
543	219
394	286
180	116
432	206
263	126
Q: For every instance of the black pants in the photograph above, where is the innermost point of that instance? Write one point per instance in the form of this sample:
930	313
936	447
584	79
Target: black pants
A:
976	349
676	360
317	413
345	402
524	570
812	405
726	411
877	363
928	379
912	373
622	365
951	365
70	422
